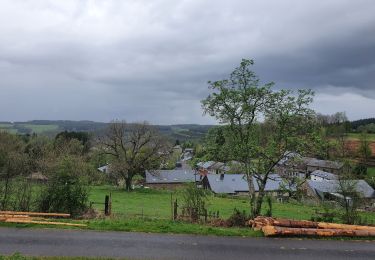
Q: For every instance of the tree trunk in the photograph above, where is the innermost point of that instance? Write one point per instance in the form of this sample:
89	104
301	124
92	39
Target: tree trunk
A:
128	184
259	199
6	193
251	193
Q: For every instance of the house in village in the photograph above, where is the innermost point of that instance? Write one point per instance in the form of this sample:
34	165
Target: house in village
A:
177	149
212	167
319	175
313	164
187	154
330	190
236	184
104	169
170	179
295	165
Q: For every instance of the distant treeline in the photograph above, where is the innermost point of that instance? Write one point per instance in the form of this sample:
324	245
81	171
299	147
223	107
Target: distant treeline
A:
181	132
357	123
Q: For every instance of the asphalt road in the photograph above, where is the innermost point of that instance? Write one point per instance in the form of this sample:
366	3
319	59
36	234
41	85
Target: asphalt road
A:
54	242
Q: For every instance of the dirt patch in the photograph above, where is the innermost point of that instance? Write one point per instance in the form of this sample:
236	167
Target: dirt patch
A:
353	145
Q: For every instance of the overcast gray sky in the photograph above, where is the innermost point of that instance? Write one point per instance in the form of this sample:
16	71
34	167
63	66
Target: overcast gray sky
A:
151	60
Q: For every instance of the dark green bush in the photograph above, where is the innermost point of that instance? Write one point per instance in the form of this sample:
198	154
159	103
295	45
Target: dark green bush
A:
66	190
237	219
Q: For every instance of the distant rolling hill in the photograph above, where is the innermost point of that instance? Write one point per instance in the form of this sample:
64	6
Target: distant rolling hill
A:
52	127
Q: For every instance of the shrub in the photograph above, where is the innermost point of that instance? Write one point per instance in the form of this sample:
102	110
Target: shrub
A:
237	219
66	190
194	202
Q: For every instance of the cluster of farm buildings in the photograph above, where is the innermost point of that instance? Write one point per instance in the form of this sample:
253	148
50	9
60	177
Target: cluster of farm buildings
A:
319	178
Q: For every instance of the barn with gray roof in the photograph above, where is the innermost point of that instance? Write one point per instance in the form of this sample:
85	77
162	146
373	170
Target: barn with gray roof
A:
330	189
237	184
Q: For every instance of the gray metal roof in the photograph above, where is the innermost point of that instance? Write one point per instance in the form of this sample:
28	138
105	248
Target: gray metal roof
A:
103	168
332	186
323	163
324	175
233	183
290	156
208	164
230	184
171	176
200	164
217	166
273	183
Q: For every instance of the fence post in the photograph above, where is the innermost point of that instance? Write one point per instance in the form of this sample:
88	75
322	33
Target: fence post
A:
205	215
172	207
106	205
175	210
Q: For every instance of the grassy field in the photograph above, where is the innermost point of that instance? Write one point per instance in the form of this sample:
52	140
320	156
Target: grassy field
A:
357	136
8	128
371	171
38	129
6	125
156	204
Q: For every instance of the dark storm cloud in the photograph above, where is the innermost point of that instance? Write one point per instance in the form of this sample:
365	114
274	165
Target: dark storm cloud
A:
151	60
347	61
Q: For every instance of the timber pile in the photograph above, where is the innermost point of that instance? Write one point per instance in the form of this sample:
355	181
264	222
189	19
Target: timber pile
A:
288	227
35	218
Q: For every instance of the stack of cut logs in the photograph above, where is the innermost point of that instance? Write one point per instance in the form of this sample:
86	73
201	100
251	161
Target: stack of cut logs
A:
35	218
287	227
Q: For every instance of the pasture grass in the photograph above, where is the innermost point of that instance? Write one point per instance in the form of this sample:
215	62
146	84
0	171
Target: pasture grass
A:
357	136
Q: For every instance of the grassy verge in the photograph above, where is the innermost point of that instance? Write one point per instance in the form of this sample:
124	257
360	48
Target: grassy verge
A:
150	226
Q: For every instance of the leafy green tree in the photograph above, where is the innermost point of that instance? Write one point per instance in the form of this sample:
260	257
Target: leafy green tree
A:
14	164
364	149
360	171
67	189
351	198
194	201
241	102
83	137
215	145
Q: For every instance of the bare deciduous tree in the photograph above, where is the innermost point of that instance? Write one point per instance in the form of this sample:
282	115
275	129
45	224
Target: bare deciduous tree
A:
133	148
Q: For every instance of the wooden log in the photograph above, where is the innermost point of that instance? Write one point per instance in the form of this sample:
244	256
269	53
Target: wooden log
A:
14	216
324	225
27	221
260	222
287	231
268	221
42	214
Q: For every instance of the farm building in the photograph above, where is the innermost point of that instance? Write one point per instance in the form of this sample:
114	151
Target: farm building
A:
237	184
212	167
330	190
104	169
319	175
295	165
313	164
170	179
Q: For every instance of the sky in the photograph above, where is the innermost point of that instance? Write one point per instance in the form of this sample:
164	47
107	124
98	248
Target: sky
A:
151	59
